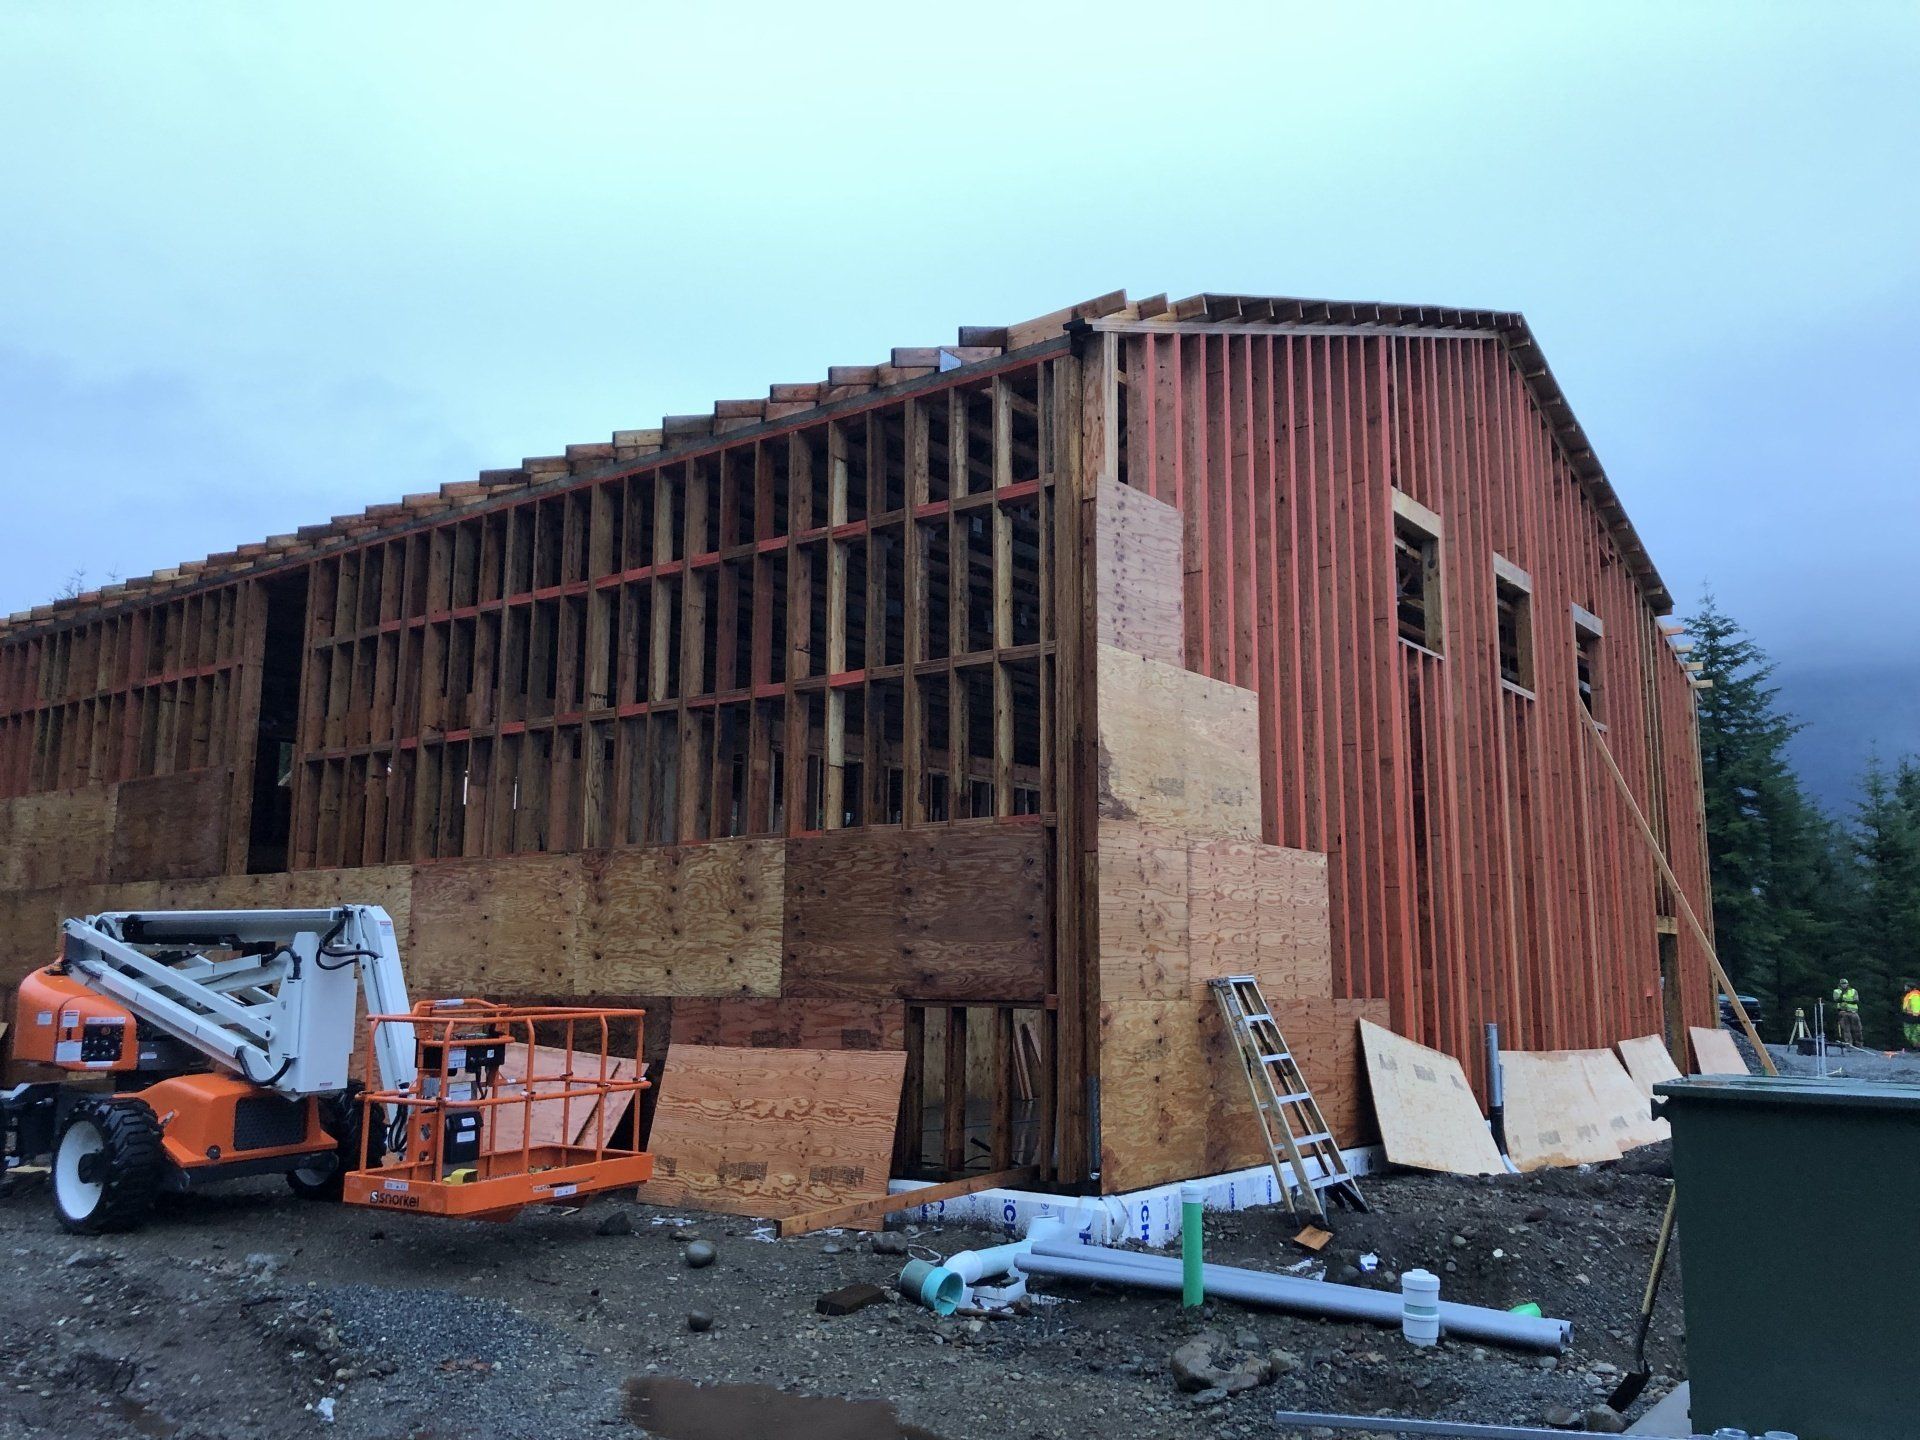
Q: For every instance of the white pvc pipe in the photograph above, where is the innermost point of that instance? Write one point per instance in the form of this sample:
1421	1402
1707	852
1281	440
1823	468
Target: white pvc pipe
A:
1287	1292
974	1265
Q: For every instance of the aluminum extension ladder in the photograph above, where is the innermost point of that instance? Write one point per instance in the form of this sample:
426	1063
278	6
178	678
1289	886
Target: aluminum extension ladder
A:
1290	1117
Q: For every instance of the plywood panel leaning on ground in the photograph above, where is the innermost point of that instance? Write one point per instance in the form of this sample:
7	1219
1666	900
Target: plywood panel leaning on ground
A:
1139	579
1553	1116
683	920
1177	749
1428	1117
1648	1062
772	1132
1629	1114
954	913
1715	1053
170	826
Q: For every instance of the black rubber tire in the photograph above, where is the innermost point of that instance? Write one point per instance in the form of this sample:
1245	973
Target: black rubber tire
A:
342	1118
130	1166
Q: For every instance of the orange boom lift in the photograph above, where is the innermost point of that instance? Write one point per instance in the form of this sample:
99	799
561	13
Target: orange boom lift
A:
217	1044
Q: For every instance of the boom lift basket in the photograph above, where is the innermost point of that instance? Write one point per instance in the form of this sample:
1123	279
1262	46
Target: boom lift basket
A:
509	1107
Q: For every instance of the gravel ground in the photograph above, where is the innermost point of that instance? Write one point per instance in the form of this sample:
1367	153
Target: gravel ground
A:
1898	1068
242	1314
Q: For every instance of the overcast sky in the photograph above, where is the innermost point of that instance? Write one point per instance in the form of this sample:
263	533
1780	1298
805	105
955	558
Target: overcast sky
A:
268	264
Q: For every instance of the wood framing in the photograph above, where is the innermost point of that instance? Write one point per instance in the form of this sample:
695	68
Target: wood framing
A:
975	707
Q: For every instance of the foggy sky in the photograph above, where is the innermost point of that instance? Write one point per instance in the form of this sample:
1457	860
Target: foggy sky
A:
265	265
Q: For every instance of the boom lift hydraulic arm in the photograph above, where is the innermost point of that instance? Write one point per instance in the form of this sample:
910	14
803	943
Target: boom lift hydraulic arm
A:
280	1012
227	1039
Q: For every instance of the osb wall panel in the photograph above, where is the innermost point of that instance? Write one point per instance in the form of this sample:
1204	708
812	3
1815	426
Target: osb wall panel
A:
170	826
60	837
1176	748
1174	1101
959	913
499	928
1137	541
791	1024
695	920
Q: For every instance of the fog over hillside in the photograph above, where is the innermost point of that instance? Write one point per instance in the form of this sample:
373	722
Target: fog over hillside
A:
1849	712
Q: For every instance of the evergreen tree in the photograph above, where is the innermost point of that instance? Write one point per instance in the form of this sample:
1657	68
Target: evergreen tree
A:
1886	850
1777	874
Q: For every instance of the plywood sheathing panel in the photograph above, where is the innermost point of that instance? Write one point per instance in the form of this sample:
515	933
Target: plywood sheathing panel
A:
772	1132
1553	1116
689	920
958	912
1143	917
170	826
503	928
1174	1101
560	1120
1715	1053
1259	910
791	1024
1138	579
1428	1116
59	837
1629	1114
1177	749
1648	1062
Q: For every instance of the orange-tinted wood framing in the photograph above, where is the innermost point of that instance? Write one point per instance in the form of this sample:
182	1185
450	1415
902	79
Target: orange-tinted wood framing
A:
870	605
1483	867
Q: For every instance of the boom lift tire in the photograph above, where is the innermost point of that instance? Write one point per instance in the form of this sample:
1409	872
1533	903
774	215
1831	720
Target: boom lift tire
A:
327	1179
107	1165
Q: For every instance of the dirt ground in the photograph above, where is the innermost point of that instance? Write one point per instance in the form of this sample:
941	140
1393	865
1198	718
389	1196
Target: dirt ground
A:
242	1314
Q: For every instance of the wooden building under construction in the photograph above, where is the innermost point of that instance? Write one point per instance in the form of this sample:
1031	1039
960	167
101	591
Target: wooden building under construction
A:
980	704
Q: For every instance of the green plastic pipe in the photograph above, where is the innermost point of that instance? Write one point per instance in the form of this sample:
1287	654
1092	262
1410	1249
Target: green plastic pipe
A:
1193	1287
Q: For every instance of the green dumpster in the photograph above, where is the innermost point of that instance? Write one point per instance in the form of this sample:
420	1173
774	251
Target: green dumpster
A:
1799	1219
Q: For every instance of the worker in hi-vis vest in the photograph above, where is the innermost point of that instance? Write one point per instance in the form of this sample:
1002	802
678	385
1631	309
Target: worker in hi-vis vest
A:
1910	1016
1846	1004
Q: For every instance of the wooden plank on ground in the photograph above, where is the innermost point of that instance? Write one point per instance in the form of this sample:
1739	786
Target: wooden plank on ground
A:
773	1132
957	912
1714	1052
1428	1117
1552	1116
1139	581
1648	1062
871	1214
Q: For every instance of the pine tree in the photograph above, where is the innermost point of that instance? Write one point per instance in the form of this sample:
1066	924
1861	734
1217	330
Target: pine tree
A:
1777	872
1886	851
